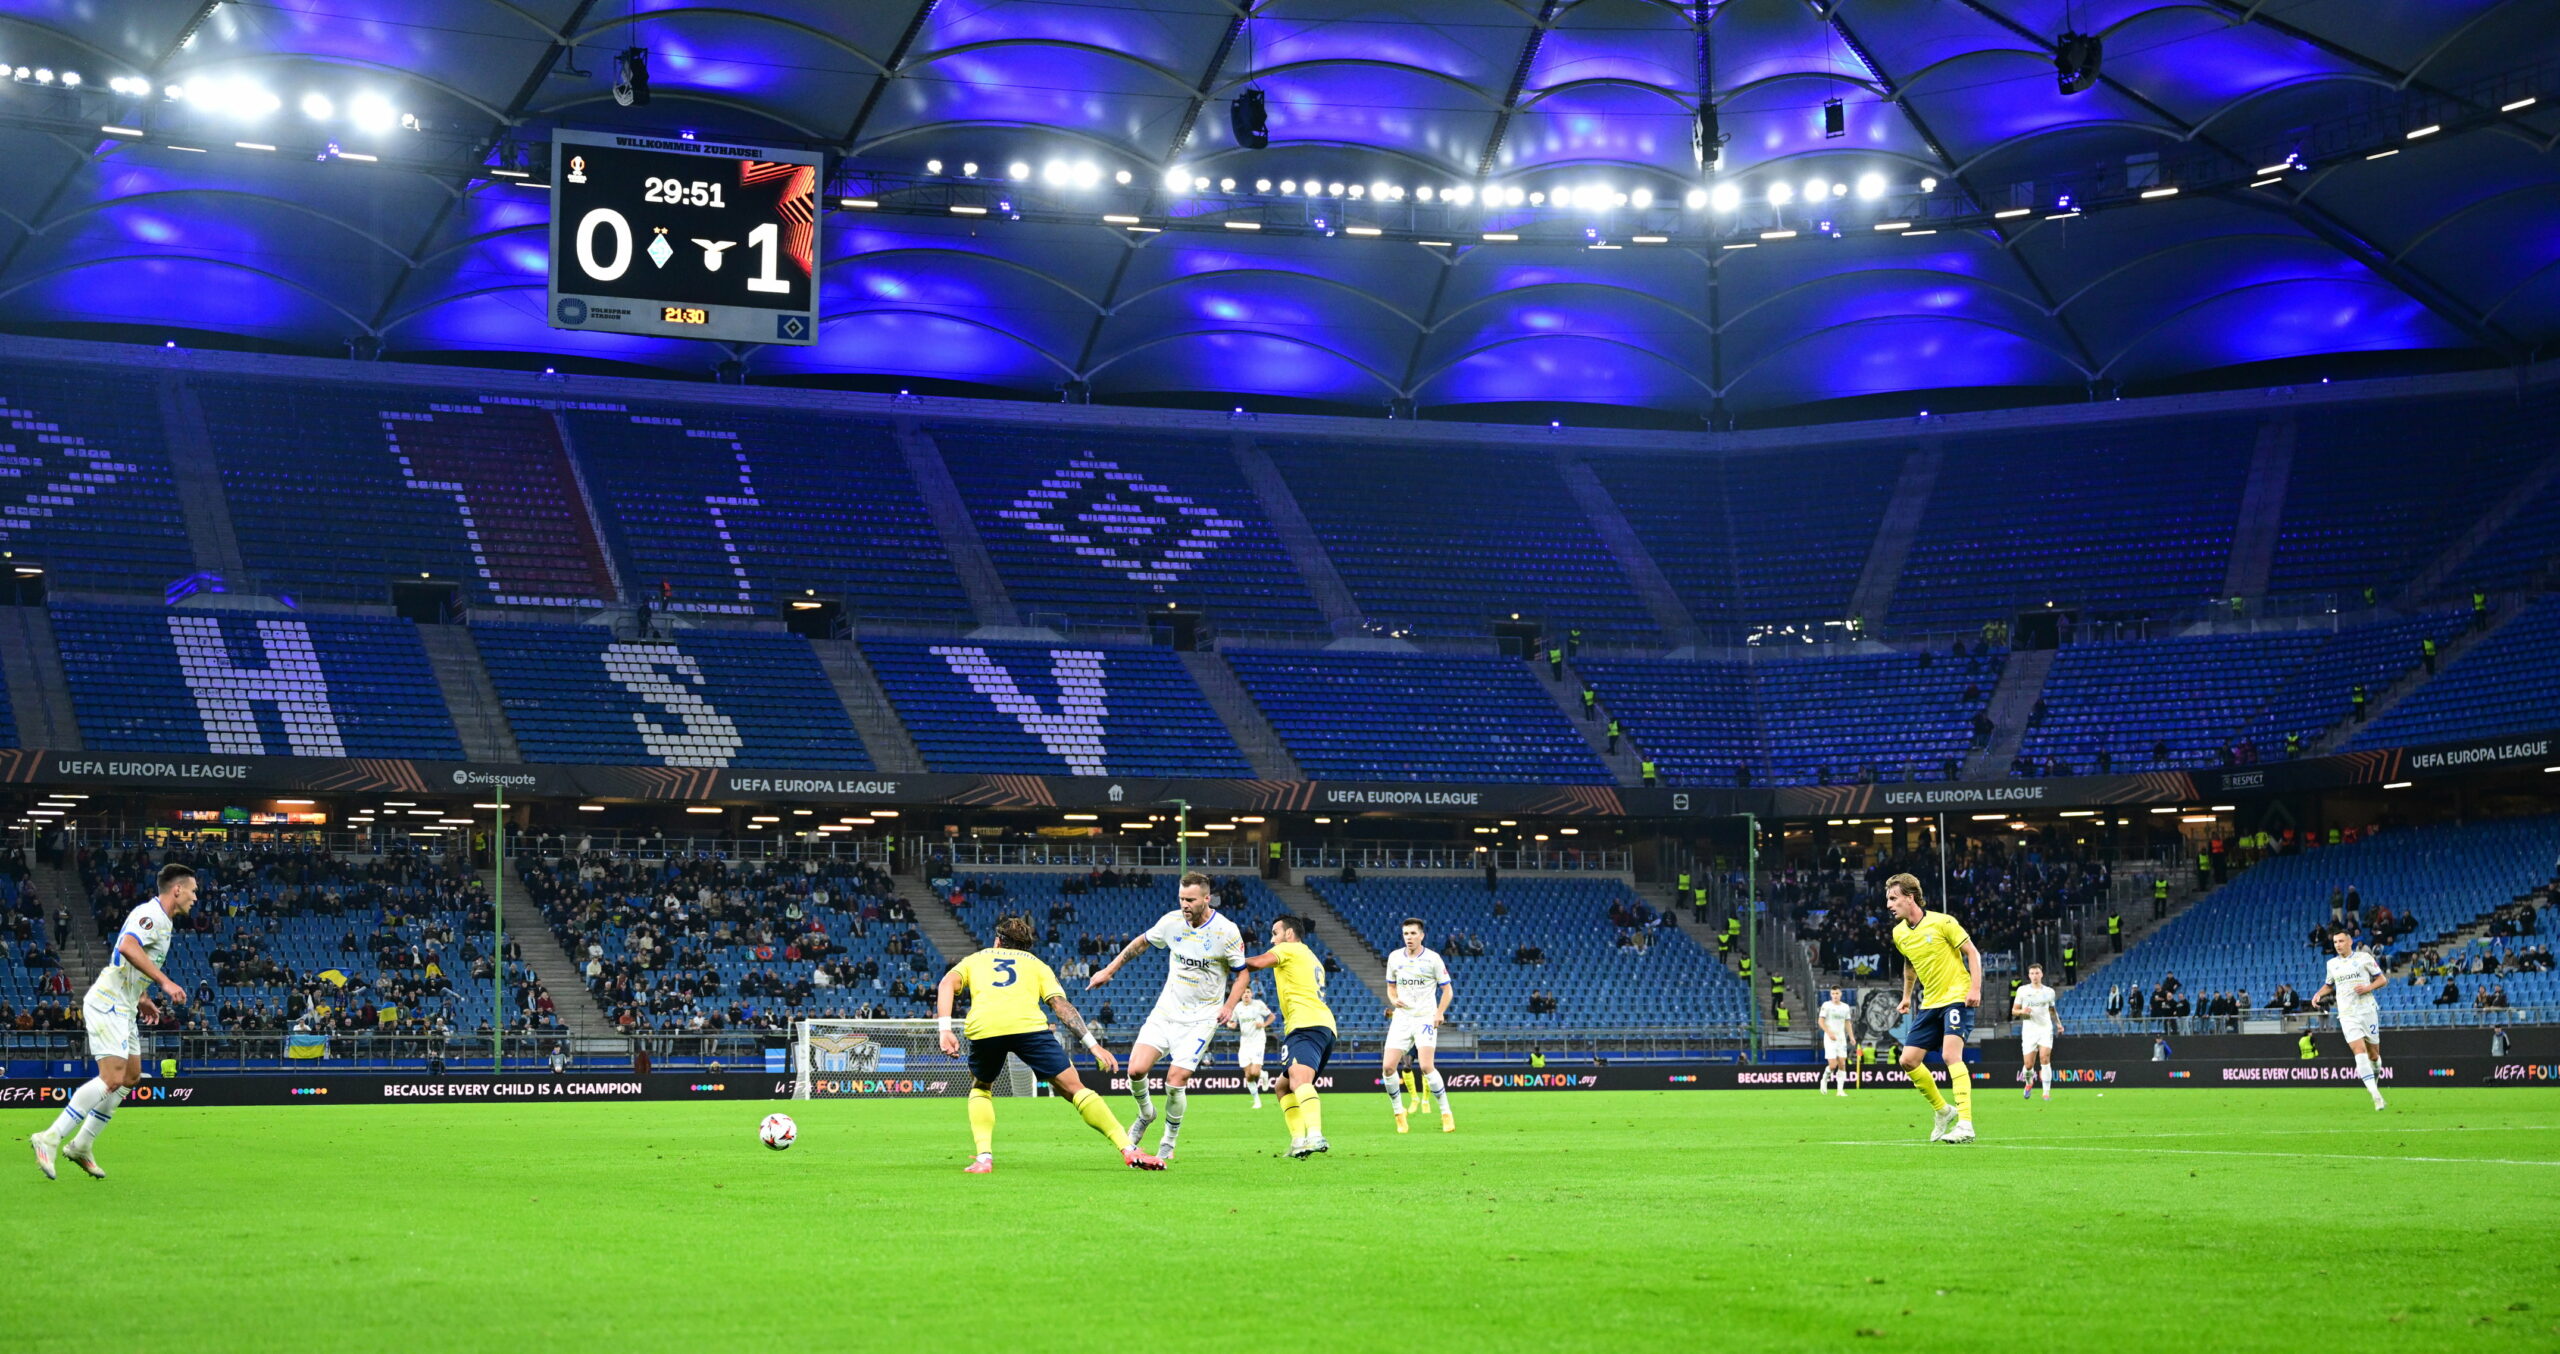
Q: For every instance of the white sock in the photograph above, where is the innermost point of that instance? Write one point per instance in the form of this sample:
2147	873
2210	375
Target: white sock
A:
2365	1073
1823	1086
2047	1069
1395	1090
98	1118
1253	1083
1439	1088
75	1114
1174	1101
1146	1099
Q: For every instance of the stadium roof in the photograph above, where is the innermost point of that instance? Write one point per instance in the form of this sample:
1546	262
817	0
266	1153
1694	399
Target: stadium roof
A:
2294	230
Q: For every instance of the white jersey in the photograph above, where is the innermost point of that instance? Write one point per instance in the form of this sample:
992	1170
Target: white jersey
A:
1201	960
120	984
2033	1009
1834	1018
1414	982
2347	970
1253	1019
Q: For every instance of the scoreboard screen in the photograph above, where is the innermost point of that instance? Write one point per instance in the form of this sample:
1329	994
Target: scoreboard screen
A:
685	239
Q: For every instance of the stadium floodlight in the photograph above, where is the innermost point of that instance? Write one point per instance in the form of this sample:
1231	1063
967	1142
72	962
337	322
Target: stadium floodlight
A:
933	166
2429	130
1816	188
1086	174
1333	190
1177	180
1871	185
1929	185
1726	197
1423	193
1017	171
1054	173
1288	187
71	80
1200	183
1642	197
1121	177
372	113
1356	191
44	75
1781	193
1262	185
317	107
1697	198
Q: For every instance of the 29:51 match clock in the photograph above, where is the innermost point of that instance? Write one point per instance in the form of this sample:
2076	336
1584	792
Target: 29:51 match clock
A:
684	239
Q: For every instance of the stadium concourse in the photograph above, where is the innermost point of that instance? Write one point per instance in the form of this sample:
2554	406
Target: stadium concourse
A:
1584	675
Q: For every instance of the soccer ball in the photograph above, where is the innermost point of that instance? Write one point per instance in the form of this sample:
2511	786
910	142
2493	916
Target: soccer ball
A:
778	1131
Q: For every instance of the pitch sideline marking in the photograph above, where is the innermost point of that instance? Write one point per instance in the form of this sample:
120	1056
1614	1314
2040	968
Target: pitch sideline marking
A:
2226	1152
2236	1133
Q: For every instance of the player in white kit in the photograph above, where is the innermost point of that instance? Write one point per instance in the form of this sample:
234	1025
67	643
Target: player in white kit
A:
2354	976
1836	1019
1201	949
1253	1028
2032	1007
121	994
1418	995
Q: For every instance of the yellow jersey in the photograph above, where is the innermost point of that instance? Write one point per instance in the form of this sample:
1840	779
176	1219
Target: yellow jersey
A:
1299	975
1008	992
1935	951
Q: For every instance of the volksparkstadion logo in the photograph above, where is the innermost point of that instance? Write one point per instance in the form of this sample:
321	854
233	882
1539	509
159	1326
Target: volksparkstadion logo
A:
523	782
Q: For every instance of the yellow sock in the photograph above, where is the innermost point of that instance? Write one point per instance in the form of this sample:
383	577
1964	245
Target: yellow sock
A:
982	1119
1289	1112
1311	1112
1097	1112
1928	1084
1961	1078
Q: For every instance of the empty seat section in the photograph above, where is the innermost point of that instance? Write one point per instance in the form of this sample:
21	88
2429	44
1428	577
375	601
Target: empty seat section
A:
1100	527
1038	709
2322	691
2194	694
711	698
1442	540
2126	519
252	683
1889	711
89	495
1444	717
336	490
733	510
1598	972
2507	683
1693	719
1756	540
2378	491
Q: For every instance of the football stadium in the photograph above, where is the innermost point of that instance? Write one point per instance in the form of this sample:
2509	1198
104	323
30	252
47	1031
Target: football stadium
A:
1754	674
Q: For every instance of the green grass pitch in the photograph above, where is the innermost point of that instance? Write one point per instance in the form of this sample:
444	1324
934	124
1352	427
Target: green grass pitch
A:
2184	1219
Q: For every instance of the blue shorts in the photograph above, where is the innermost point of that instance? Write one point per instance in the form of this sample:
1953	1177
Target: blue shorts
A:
1310	1048
1932	1025
1039	1050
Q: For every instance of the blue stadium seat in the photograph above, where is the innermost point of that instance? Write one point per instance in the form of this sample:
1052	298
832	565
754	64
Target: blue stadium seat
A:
92	499
251	683
1099	528
1119	712
710	698
1372	716
735	509
2508	683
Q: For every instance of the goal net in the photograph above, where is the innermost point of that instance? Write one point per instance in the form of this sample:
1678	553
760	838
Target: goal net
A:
832	1058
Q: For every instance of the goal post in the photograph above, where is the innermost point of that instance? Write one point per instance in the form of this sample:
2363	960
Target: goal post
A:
840	1057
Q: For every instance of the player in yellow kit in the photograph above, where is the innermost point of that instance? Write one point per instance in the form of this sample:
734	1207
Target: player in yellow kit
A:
1937	952
1299	977
1007	986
